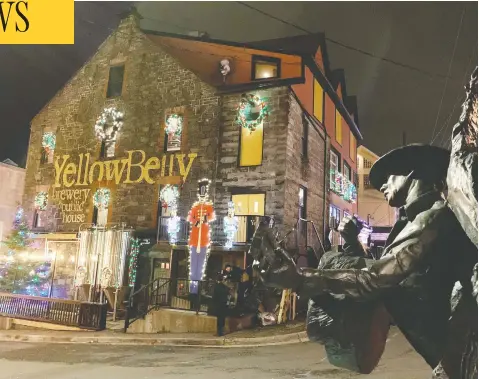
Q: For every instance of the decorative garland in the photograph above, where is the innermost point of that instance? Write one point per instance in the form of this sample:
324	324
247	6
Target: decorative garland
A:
169	196
41	200
135	251
343	187
252	112
174	124
49	141
101	198
108	124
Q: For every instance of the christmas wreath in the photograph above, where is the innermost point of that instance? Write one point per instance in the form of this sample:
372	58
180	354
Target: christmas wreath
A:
101	198
49	141
41	200
108	124
174	124
252	111
169	195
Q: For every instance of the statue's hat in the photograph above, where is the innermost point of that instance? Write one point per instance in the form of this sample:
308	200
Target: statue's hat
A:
428	163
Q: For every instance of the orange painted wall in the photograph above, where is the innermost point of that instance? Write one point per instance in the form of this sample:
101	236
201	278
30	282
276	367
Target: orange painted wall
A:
203	58
305	92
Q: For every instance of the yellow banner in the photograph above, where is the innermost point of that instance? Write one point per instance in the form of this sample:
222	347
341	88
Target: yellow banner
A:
37	22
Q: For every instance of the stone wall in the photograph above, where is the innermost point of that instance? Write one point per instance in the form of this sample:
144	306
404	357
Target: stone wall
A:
307	171
153	83
269	176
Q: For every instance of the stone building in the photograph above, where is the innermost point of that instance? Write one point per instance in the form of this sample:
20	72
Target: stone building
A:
12	180
151	111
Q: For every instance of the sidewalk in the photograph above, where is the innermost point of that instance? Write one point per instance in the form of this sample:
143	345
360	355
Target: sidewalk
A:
266	336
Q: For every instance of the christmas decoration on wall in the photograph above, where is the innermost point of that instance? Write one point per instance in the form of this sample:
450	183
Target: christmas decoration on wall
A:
252	112
199	217
135	251
174	124
101	198
49	141
169	196
343	186
225	68
108	124
41	200
173	226
230	225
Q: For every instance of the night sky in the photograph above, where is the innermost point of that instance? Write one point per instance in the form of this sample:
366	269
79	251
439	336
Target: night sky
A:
392	98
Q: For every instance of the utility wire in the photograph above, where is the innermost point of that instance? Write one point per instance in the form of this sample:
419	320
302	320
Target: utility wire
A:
367	53
448	72
458	99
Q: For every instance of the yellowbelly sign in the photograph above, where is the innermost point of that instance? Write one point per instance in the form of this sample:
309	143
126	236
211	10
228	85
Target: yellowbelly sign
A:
84	173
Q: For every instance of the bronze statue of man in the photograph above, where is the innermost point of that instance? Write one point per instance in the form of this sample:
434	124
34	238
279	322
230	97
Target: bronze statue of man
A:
426	253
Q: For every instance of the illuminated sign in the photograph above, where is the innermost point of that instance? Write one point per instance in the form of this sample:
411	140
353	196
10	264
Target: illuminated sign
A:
151	170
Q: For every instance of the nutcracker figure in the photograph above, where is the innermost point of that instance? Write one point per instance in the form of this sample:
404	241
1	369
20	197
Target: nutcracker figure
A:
201	214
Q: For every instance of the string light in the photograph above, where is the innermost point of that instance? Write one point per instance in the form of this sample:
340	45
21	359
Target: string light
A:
343	187
169	196
202	203
230	225
252	111
110	119
135	251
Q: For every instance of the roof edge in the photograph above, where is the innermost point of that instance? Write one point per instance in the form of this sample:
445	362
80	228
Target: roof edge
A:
326	84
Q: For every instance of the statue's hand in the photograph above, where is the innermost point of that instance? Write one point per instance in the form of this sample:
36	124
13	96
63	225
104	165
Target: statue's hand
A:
349	228
274	265
283	273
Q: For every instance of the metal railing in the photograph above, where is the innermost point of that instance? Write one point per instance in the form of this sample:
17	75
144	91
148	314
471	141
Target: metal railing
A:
185	294
56	311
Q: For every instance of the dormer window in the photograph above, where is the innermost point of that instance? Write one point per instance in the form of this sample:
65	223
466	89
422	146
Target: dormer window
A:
265	68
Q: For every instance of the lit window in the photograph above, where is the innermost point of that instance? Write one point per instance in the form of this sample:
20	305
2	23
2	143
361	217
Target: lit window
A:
302	202
334	167
251	147
115	81
265	68
107	149
38	219
352	146
347	171
366	182
101	202
318	101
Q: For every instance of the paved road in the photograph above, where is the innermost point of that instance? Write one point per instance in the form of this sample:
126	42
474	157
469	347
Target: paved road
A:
299	361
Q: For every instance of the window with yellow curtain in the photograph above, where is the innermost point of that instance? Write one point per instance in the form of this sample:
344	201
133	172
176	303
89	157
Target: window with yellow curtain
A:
352	147
318	101
247	207
339	128
251	147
